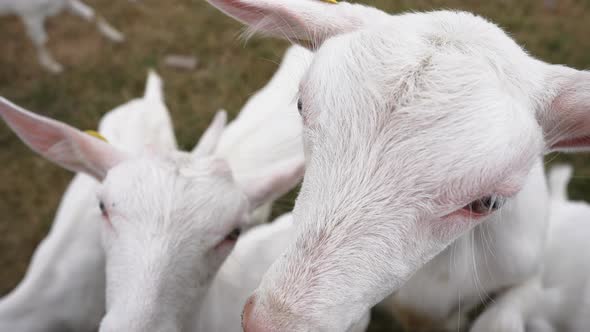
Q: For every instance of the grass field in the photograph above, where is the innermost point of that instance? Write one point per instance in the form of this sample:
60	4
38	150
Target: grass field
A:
100	75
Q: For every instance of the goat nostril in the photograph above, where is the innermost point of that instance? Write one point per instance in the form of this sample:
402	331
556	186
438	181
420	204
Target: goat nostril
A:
246	314
247	311
253	320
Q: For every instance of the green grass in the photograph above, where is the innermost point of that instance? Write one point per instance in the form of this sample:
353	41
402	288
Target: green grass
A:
100	75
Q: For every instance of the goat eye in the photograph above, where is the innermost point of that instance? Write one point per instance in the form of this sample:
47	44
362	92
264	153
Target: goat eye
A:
299	105
233	236
485	205
102	208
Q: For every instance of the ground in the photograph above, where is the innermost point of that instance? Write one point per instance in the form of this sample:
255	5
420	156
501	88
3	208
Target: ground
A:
100	75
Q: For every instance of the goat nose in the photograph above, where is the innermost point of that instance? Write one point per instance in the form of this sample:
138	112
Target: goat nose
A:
249	322
247	313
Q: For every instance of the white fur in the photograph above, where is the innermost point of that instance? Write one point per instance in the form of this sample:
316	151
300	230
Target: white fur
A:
33	14
142	123
407	119
64	287
558	298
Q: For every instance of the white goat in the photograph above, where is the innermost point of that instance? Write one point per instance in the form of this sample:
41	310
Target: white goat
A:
486	259
558	299
417	127
169	219
64	287
33	14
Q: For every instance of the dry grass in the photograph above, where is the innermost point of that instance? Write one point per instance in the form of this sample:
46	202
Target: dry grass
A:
101	75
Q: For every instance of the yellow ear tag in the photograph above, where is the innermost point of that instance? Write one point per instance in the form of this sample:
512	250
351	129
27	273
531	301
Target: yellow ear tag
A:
96	134
330	1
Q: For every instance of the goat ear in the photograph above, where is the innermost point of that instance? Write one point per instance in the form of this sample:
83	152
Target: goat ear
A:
60	143
308	22
154	87
566	117
273	182
210	138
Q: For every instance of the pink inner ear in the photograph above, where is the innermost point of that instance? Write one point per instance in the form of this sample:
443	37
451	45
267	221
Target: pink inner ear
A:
64	145
40	134
569	114
255	15
303	21
571	129
240	10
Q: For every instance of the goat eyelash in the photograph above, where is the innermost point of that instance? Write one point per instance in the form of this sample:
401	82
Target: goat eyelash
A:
485	205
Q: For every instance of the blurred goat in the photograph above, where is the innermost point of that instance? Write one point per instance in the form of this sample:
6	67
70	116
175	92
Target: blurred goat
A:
33	14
